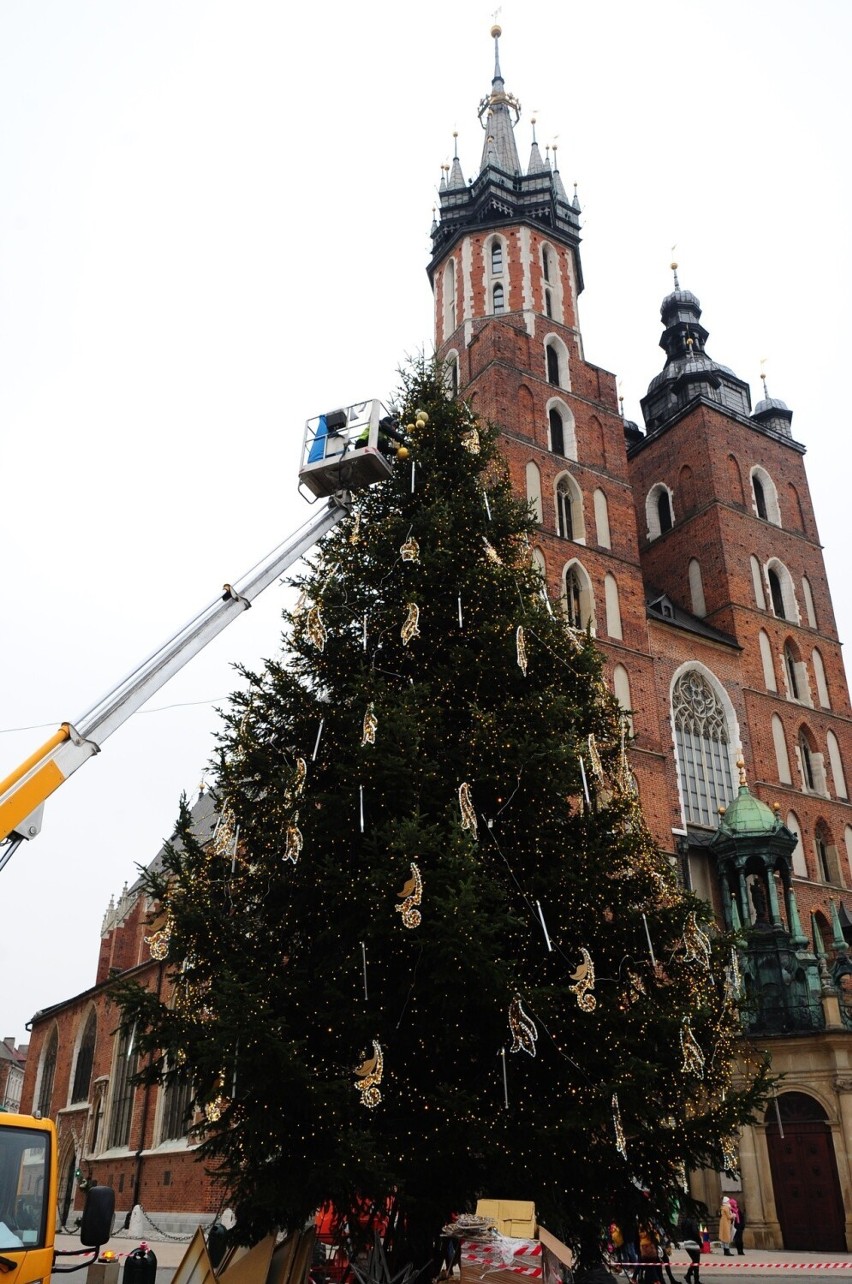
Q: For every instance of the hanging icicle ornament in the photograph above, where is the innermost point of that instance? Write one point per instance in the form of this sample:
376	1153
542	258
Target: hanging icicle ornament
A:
370	726
522	1026
693	1057
730	1156
470	441
412	893
293	846
410	550
158	942
369	1076
584	979
297	785
620	1141
682	1179
468	815
521	648
491	552
696	943
315	628
595	760
355	533
410	629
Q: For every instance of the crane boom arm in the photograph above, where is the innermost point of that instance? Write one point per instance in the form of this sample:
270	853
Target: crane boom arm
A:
22	794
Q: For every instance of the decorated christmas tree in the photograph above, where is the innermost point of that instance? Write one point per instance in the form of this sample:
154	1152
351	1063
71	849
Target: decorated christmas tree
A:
432	952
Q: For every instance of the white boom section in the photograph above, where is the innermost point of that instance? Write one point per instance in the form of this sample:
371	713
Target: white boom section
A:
22	794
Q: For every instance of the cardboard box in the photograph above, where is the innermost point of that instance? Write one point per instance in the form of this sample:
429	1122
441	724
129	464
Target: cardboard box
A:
513	1217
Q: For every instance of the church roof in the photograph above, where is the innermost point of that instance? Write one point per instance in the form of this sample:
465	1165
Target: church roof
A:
747	815
659	606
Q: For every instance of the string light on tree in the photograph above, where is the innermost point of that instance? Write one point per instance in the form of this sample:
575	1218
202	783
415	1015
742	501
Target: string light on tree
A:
468	814
620	1140
410	550
521	649
693	1057
584	983
315	628
410	628
412	894
370	726
369	1076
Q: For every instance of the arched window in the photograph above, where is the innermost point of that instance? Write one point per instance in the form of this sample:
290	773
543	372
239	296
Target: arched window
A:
819	674
702	742
557	432
793	669
85	1060
826	854
776	594
497	299
545	263
765	496
570	523
176	1106
809	602
735	481
767	662
757	583
579	600
602	519
496	257
613	608
534	492
451	374
548	304
121	1106
696	589
800	866
782	760
796	514
781	591
537	558
47	1074
621	688
812	764
449	298
836	765
659	510
556	361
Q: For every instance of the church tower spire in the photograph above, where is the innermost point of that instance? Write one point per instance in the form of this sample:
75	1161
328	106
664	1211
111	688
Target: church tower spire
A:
495	113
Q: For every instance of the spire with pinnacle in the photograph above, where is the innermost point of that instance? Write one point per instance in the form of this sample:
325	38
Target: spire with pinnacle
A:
495	113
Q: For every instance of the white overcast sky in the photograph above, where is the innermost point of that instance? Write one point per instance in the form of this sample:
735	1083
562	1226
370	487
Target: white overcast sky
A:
214	223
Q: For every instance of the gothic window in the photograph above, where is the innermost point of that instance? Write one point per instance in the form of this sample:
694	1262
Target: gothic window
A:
702	739
602	519
809	602
696	589
85	1060
757	583
121	1107
819	674
449	298
552	365
451	374
836	765
534	491
759	497
48	1073
765	496
570	523
621	688
613	607
498	304
766	659
800	867
664	511
548	303
556	358
658	510
782	759
177	1105
790	668
776	594
807	764
496	258
557	432
545	263
578	600
824	854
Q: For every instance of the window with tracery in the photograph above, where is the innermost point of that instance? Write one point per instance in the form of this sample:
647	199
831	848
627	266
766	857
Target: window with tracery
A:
177	1107
85	1060
702	738
574	599
498	303
121	1107
48	1072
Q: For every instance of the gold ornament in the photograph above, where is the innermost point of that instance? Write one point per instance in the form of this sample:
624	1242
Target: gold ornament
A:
524	1033
402	452
584	978
316	628
421	417
370	1075
696	942
468	815
595	759
298	783
293	847
409	628
371	722
491	552
693	1057
520	647
620	1141
470	441
158	942
413	894
730	1155
410	550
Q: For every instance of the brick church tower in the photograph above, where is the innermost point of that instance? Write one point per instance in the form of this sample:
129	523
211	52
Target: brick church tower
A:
691	549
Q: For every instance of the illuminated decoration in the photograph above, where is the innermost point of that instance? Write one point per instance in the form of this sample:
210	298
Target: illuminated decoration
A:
584	979
730	1156
595	759
468	815
355	533
733	978
410	628
214	1109
620	1141
297	787
158	942
293	847
696	942
300	607
682	1179
470	441
224	838
316	628
410	550
521	647
693	1057
371	723
369	1075
413	894
522	1026
491	552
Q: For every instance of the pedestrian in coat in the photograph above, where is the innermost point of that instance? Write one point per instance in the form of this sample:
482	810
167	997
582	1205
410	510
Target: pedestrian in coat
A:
739	1226
726	1226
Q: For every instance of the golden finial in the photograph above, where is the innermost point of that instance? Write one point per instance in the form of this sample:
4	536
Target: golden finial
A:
496	31
741	768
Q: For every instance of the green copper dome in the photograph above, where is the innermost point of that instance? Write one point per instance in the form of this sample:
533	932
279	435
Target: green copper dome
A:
748	815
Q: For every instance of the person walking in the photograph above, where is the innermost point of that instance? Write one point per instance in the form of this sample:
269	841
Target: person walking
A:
690	1239
726	1225
739	1226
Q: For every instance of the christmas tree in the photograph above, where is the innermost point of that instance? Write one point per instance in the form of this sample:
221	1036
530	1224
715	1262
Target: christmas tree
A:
432	952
